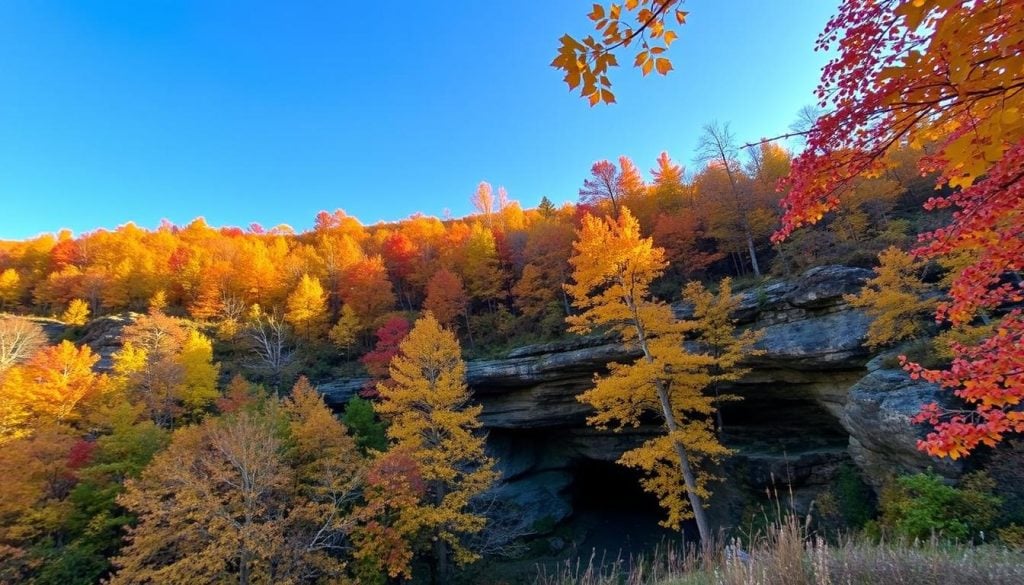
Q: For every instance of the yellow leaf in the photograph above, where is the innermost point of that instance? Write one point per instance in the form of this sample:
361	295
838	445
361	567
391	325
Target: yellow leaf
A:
663	65
598	12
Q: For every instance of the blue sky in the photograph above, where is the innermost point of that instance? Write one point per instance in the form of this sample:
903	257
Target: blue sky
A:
268	112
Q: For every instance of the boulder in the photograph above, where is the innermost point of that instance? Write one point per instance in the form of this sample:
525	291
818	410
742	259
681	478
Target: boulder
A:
883	440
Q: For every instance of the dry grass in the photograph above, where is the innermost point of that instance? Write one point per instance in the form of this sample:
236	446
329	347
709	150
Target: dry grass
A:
787	555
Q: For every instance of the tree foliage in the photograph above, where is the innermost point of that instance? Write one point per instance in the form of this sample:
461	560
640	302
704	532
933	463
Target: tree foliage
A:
640	23
430	419
257	497
895	299
613	267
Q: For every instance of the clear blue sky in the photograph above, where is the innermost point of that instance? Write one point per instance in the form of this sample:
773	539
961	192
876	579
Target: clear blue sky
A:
251	111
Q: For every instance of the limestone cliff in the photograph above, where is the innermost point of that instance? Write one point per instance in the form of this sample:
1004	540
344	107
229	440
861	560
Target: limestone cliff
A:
810	402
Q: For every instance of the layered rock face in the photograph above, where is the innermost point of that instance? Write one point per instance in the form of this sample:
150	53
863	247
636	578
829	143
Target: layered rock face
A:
810	404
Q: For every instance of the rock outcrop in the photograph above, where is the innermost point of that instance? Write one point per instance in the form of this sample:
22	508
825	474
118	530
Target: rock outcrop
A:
812	401
810	404
877	415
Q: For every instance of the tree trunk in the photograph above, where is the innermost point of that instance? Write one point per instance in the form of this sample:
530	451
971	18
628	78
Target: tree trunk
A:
720	426
753	254
469	329
441	559
243	568
440	546
684	466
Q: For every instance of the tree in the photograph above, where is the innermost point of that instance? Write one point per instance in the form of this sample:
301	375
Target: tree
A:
368	291
895	299
346	331
167	366
667	172
377	361
717	146
77	313
306	308
389	337
603	186
271	348
34	479
613	268
479	266
54	381
427	406
10	288
546	208
446	297
483	200
271	490
716	333
533	294
19	339
631	184
682	236
394	486
199	376
369	433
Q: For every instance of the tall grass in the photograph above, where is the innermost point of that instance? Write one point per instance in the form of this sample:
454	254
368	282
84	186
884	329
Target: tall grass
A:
786	553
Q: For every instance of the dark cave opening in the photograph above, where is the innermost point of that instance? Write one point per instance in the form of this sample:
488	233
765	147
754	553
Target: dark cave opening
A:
781	418
617	517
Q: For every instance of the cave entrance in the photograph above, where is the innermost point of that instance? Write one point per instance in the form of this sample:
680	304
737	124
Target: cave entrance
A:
617	517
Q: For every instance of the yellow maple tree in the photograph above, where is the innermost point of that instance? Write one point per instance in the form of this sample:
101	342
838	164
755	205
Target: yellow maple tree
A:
613	268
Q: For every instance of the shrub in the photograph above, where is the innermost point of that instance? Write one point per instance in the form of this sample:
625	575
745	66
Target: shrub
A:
920	506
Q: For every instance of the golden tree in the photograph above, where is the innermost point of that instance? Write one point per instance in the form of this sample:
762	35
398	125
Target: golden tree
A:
894	299
345	332
10	288
77	313
427	403
307	308
613	270
54	381
716	332
253	497
168	366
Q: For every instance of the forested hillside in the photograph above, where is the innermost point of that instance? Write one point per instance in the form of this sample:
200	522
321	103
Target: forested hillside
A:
454	399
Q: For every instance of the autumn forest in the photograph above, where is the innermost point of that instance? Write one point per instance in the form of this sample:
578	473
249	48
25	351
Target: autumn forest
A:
218	404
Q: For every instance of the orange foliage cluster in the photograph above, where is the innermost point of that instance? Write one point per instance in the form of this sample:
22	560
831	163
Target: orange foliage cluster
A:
502	260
